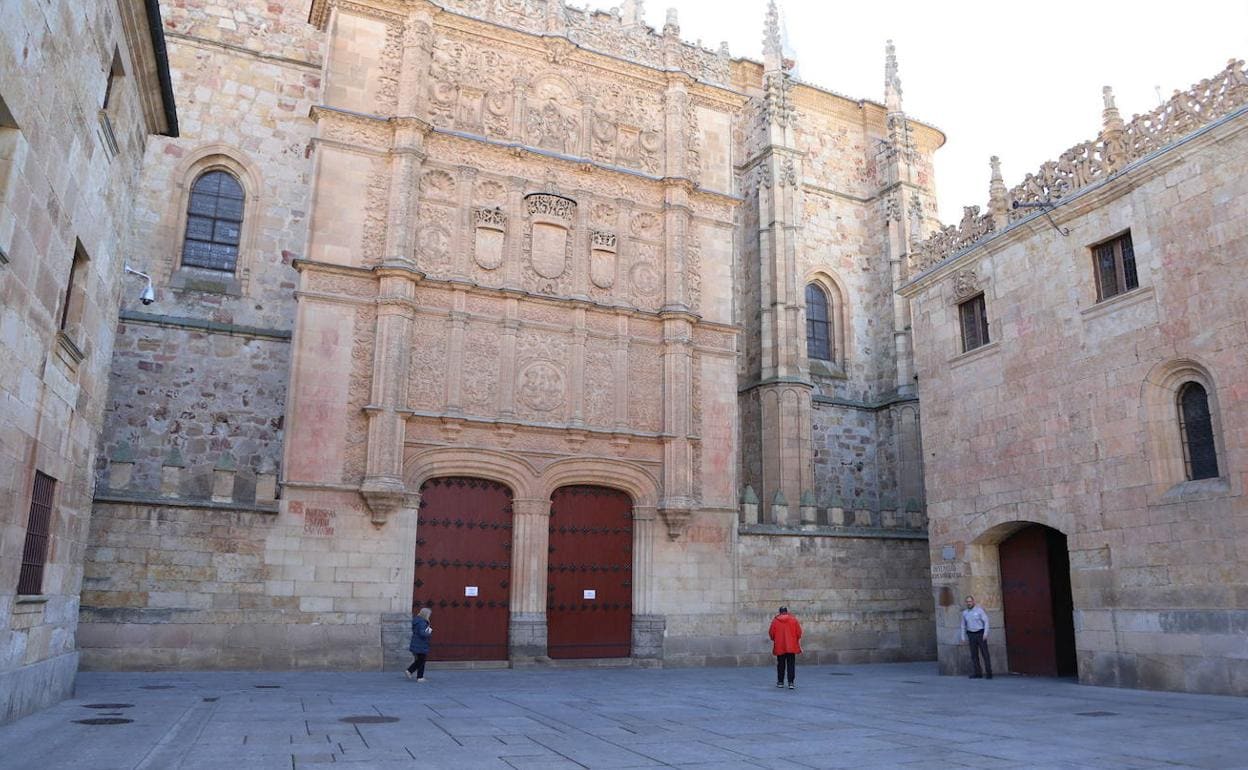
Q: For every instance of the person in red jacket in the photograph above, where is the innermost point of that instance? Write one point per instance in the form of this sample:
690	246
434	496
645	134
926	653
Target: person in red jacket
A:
786	635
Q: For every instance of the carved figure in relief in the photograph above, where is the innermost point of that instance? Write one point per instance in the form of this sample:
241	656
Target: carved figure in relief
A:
541	386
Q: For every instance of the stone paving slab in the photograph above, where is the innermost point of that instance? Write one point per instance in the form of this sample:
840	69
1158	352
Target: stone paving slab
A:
882	716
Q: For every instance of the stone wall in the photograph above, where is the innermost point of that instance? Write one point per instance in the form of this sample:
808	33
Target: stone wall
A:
860	599
78	100
1068	418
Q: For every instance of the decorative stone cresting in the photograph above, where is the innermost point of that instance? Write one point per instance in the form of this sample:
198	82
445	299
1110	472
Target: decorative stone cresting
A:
1089	162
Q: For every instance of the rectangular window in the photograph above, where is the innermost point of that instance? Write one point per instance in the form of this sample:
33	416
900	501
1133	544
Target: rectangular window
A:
1114	262
974	317
75	290
38	527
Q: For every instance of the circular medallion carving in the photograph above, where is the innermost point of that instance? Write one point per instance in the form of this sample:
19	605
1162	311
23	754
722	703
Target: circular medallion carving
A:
541	386
645	278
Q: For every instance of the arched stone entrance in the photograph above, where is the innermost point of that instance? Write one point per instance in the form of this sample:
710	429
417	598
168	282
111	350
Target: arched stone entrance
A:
1036	602
463	566
589	610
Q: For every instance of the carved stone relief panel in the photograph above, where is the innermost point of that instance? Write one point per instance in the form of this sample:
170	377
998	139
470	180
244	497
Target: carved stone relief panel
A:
541	380
965	284
470	87
433	237
645	383
553	115
481	368
426	393
599	382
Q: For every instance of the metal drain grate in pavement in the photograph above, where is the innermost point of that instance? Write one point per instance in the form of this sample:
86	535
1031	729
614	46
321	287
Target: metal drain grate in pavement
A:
368	720
267	686
156	687
839	673
103	721
108	706
1096	714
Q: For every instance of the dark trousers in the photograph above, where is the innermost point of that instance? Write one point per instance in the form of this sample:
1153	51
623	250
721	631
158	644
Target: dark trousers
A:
979	647
787	661
418	664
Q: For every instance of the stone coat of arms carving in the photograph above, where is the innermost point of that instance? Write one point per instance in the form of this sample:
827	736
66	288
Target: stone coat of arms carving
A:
550	223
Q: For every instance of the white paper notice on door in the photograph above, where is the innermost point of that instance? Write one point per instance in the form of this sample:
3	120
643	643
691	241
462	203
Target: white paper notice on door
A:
591	593
470	590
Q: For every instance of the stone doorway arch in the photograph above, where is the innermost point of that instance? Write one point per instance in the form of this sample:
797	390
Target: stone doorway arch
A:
1033	590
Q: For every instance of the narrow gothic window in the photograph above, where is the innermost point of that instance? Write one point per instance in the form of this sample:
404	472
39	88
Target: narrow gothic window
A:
1200	456
214	221
38	529
818	323
1115	267
974	318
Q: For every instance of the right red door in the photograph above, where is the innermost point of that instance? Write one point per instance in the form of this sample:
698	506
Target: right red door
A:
589	607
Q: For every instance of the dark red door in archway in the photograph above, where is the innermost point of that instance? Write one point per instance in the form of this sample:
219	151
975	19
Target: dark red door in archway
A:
1036	598
589	608
463	567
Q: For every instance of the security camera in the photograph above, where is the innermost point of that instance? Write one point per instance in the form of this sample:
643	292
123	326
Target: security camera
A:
148	295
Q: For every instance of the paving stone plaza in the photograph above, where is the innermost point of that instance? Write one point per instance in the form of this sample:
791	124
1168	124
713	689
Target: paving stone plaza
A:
897	715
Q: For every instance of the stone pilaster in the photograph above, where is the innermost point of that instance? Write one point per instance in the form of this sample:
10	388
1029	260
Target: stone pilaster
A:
507	361
678	493
576	369
530	538
457	322
648	626
383	487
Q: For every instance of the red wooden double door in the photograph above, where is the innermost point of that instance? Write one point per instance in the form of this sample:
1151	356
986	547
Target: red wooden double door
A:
463	570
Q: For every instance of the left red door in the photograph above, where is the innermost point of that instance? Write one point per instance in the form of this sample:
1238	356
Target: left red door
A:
463	567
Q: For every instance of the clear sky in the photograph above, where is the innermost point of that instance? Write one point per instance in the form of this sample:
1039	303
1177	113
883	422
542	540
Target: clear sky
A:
1021	80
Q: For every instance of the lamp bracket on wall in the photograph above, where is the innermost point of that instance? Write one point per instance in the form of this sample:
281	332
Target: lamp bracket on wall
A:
1047	207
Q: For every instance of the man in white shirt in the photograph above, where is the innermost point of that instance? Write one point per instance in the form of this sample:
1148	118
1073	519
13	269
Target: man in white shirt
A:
975	631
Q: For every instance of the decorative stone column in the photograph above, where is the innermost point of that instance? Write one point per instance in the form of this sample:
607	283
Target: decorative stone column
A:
648	625
530	538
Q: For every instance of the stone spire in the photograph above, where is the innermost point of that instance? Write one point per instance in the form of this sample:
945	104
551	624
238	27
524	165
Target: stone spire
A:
671	28
1112	133
773	46
998	203
632	12
892	82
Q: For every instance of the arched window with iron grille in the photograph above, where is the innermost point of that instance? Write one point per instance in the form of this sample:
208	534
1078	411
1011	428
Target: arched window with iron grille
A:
1200	454
214	222
818	323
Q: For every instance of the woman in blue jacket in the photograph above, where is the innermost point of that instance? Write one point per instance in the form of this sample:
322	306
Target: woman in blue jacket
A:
421	631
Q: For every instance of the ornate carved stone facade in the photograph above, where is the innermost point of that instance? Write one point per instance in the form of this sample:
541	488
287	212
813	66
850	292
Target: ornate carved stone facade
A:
550	247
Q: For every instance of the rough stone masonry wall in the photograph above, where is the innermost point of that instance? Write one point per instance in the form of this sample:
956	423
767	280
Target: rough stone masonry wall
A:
182	400
63	185
1068	419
